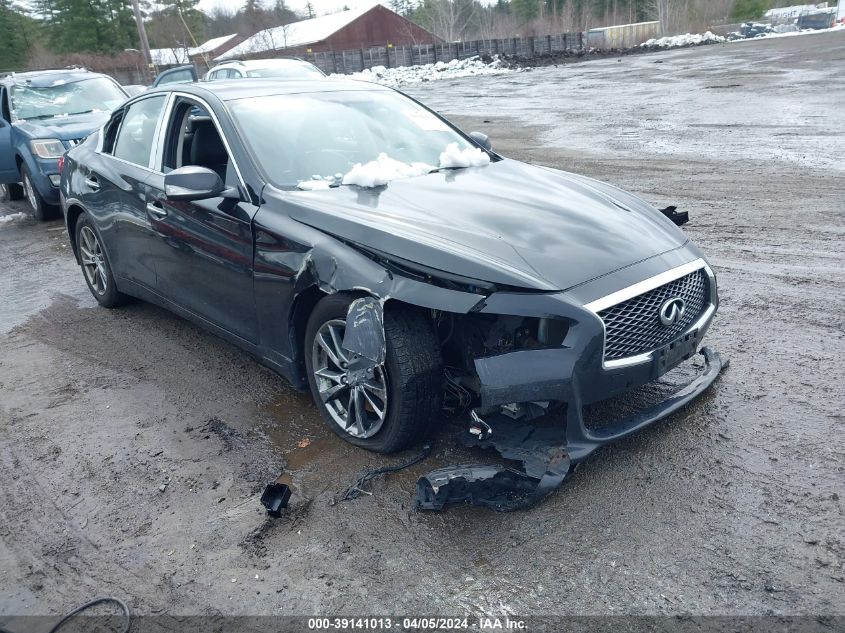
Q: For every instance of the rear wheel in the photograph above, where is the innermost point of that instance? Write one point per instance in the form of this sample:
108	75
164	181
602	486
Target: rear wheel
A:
12	191
40	209
397	403
95	264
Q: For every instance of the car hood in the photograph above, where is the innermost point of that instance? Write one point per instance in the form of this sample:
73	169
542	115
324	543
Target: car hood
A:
62	127
506	223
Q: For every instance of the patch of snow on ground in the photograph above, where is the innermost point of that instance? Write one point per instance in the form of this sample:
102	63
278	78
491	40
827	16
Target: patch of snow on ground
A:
688	39
13	217
382	170
429	72
469	157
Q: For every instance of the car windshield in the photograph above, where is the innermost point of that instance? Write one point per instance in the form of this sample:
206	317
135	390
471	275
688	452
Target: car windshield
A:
321	136
65	98
295	71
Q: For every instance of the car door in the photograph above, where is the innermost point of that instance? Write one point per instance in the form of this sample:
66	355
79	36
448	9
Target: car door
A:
204	248
115	190
8	168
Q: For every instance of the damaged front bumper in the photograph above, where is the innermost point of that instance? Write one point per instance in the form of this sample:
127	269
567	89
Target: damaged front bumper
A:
547	455
576	373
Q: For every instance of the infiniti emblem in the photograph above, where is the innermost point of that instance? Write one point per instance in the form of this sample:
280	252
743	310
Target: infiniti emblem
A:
672	310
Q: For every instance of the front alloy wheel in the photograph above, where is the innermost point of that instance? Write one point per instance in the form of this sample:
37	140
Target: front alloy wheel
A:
355	400
386	408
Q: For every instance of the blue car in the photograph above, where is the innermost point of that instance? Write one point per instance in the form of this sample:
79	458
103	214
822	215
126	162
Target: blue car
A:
42	115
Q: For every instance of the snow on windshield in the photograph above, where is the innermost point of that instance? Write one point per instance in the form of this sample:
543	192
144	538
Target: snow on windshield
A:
383	169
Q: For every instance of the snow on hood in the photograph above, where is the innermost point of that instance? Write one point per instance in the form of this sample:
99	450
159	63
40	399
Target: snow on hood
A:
469	157
392	77
383	169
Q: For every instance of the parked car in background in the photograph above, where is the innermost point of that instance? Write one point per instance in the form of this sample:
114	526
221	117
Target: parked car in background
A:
134	89
287	68
42	115
180	75
816	20
367	249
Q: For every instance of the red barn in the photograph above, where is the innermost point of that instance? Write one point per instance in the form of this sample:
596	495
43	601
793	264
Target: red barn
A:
364	28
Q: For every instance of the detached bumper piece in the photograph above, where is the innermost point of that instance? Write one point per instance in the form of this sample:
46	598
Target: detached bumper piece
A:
678	217
545	463
547	454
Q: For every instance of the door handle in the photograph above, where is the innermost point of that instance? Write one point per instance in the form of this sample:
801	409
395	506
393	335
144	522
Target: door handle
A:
155	209
92	182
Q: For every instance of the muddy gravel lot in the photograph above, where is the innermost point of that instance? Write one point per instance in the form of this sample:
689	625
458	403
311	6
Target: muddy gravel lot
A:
133	446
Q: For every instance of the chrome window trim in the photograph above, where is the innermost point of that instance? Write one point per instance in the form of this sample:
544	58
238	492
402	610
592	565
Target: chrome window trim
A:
157	138
645	286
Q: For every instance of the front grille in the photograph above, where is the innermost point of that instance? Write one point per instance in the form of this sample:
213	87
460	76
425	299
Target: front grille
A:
633	326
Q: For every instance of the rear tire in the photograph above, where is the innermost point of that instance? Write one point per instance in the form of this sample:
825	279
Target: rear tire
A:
10	192
40	209
95	265
412	371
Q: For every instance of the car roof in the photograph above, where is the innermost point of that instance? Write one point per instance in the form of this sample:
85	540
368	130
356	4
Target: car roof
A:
230	89
47	78
264	63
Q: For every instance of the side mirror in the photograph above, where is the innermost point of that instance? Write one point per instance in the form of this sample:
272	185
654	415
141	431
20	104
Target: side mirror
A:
193	182
482	139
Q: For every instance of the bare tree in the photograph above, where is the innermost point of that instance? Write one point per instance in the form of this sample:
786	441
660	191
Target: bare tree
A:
449	19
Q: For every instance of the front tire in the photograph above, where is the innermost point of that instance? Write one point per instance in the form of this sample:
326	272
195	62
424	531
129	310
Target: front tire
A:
40	209
400	402
95	264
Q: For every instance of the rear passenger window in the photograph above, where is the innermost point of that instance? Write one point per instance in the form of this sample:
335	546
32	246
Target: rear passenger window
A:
137	131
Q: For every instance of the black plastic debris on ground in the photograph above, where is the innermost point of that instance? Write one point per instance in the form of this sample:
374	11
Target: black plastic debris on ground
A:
545	464
357	489
275	497
678	217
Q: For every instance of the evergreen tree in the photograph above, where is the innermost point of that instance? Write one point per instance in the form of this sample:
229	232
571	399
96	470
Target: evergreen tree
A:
749	9
190	18
15	26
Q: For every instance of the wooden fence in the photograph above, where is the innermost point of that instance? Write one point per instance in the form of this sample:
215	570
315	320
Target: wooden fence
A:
356	60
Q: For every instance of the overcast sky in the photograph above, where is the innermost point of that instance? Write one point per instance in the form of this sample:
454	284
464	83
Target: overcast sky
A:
320	6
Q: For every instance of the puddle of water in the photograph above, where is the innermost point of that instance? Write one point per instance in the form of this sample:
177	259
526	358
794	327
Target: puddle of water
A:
32	274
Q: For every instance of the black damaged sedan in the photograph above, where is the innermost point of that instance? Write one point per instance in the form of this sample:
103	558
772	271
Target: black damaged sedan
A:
365	248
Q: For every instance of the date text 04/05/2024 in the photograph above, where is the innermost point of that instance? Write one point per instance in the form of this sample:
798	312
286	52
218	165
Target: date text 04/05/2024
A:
483	623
